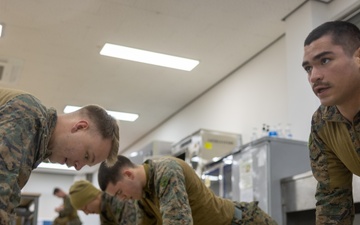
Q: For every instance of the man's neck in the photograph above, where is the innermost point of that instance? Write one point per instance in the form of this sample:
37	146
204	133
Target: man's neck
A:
142	175
348	112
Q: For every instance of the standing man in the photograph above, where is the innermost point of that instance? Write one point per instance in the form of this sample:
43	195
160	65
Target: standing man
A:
332	62
67	213
31	133
84	196
171	193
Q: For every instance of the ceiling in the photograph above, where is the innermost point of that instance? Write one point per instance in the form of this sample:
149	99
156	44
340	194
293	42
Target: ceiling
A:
53	50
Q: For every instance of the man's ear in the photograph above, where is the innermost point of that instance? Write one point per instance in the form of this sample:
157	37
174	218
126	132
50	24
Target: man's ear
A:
357	56
128	174
82	124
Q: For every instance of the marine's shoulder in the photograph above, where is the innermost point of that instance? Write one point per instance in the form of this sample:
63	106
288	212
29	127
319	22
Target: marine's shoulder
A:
168	161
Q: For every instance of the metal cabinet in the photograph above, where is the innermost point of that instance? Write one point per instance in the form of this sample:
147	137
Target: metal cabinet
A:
259	166
298	196
151	150
205	146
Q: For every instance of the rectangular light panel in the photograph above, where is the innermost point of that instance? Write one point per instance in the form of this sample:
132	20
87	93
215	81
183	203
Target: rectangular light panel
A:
117	115
148	57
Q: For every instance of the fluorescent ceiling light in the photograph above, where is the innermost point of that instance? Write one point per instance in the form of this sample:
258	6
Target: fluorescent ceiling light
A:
134	154
1	28
153	58
55	166
117	115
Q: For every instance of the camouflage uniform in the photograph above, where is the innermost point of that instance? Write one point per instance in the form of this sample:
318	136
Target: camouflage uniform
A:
69	212
175	195
115	212
334	145
25	129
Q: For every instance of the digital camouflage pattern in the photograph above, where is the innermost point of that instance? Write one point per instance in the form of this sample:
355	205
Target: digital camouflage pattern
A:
116	212
174	194
334	146
25	128
252	215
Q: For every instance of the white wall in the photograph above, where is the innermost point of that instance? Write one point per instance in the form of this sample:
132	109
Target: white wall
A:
253	95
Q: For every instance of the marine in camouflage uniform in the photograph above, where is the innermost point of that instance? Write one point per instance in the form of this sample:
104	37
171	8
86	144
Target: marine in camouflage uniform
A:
175	195
332	63
86	197
68	213
335	156
25	128
116	212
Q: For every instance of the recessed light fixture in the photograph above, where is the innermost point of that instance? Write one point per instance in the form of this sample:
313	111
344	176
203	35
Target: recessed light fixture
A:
148	57
117	115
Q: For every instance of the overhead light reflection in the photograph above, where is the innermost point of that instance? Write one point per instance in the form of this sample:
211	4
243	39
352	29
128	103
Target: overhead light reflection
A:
55	166
117	115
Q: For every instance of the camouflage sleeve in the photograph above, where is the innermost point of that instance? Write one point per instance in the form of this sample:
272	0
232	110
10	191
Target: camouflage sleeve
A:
173	199
114	211
108	211
129	214
334	189
106	215
13	154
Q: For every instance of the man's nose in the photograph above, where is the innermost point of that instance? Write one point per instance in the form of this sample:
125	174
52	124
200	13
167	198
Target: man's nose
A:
315	75
78	165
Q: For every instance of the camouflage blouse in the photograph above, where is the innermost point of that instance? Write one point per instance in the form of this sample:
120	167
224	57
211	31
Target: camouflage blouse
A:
334	145
175	195
116	212
25	129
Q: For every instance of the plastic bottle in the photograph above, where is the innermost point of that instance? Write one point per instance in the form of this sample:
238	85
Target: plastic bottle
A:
273	132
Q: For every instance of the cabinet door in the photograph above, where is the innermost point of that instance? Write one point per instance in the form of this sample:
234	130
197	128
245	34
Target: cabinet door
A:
227	183
212	179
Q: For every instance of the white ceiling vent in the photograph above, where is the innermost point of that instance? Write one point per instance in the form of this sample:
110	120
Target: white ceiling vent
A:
10	70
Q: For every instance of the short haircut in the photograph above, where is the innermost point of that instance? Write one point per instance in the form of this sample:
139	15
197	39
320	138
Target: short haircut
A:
344	34
106	125
112	174
56	190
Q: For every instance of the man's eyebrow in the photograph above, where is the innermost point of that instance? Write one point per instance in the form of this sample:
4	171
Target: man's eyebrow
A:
305	63
317	57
